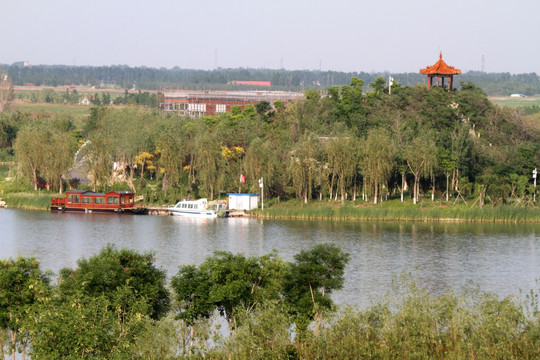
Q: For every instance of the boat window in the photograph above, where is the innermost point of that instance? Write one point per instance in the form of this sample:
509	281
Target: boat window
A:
99	200
123	200
110	200
86	200
73	199
115	200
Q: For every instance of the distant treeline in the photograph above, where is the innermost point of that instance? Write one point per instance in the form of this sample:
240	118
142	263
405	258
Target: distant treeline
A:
123	76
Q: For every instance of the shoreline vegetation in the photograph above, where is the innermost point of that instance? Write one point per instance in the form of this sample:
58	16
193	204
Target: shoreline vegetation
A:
118	305
391	210
449	156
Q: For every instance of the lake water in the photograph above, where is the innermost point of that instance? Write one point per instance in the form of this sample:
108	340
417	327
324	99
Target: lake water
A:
502	258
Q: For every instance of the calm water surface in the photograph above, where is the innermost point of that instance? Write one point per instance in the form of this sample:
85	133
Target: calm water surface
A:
502	258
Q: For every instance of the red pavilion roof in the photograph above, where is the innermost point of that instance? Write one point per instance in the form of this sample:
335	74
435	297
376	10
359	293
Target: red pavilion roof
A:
440	67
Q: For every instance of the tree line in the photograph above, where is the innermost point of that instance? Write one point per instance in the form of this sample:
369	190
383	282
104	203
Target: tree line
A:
119	305
416	143
105	306
145	78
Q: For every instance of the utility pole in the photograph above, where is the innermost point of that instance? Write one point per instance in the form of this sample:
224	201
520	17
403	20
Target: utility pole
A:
535	173
261	185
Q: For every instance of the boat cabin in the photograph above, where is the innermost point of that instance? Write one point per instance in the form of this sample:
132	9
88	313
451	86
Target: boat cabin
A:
86	200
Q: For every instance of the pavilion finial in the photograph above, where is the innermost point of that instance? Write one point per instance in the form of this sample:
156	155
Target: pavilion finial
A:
440	56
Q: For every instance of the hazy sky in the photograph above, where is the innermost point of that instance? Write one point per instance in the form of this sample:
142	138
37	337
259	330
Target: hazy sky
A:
341	35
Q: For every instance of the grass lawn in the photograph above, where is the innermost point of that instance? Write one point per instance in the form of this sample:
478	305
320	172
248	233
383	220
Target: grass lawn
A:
515	102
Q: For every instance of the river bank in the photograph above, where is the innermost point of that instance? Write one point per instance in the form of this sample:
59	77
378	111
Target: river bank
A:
392	210
395	210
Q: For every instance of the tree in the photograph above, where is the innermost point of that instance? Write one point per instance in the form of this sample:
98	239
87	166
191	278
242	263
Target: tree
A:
342	160
448	163
210	163
29	148
80	326
421	155
111	270
303	165
378	152
98	161
22	286
192	287
60	151
7	95
310	280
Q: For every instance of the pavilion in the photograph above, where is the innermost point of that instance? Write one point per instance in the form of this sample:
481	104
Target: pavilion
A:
440	70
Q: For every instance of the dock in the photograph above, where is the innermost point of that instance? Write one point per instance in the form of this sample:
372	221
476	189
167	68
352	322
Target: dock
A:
160	211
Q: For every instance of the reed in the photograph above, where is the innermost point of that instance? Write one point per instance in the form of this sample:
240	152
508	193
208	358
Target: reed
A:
408	323
28	200
397	211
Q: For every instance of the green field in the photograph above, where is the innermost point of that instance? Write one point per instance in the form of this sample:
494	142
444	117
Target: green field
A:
516	102
74	111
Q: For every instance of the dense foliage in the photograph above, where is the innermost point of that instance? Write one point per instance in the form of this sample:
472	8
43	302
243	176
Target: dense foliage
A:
416	143
103	310
125	77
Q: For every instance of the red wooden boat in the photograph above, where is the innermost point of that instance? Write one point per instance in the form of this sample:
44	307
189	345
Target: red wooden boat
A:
88	201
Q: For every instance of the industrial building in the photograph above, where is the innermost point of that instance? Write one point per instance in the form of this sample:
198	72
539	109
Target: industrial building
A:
216	102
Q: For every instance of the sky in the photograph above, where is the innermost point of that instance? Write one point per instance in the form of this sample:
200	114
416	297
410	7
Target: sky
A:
339	35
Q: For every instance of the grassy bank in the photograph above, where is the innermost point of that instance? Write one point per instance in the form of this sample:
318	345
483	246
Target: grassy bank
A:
396	211
27	200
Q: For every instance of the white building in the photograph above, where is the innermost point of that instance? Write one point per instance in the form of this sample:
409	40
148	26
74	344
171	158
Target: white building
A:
243	201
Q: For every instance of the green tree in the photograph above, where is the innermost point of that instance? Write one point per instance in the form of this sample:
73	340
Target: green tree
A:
421	155
239	283
29	149
303	165
192	288
341	152
111	270
7	95
311	279
79	326
378	152
22	285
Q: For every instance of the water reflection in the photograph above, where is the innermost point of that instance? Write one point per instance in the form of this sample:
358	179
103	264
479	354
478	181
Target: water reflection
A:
498	257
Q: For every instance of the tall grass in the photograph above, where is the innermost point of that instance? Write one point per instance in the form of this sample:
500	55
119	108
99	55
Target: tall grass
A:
395	210
28	200
406	324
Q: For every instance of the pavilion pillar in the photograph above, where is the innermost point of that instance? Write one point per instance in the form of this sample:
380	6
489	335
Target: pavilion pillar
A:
451	83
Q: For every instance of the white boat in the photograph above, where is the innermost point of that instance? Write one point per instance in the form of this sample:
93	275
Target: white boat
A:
199	207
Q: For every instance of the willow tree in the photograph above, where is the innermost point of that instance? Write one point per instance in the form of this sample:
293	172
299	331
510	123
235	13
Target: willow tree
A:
421	156
31	150
342	156
303	165
377	153
260	161
7	95
210	163
60	151
99	161
171	147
